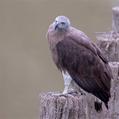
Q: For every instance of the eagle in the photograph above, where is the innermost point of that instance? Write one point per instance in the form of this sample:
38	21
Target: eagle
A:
79	59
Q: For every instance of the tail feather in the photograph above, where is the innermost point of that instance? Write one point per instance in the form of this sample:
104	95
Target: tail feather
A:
106	105
98	106
104	97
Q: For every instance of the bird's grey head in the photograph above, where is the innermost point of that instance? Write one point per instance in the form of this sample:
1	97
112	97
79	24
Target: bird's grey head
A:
61	23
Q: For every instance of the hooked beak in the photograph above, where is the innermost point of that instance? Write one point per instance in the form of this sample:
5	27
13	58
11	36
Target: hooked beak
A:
60	25
56	26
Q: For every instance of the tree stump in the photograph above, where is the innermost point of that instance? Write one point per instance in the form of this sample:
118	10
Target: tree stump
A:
57	106
62	106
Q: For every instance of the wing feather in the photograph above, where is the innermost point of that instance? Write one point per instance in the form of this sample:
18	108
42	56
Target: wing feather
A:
86	66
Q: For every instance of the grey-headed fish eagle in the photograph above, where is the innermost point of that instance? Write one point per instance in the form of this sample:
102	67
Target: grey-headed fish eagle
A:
77	56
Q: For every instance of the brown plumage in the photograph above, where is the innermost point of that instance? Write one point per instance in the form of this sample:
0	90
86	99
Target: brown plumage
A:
74	52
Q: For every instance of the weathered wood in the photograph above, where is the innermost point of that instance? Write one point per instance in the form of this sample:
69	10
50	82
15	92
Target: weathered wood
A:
54	106
113	104
109	44
115	18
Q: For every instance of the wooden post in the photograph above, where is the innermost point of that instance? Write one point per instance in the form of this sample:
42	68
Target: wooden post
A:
115	22
56	106
62	107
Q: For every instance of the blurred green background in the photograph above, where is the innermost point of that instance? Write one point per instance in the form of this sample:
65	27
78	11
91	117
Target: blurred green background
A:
26	66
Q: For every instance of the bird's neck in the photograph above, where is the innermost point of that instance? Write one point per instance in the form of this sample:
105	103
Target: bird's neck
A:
55	37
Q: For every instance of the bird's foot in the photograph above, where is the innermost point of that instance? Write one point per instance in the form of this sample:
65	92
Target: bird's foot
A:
76	93
61	94
73	92
67	93
70	92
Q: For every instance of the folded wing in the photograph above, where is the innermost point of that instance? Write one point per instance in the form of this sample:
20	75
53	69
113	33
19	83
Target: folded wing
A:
86	65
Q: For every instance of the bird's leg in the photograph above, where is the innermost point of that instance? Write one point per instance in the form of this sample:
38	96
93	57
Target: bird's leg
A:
67	82
70	86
